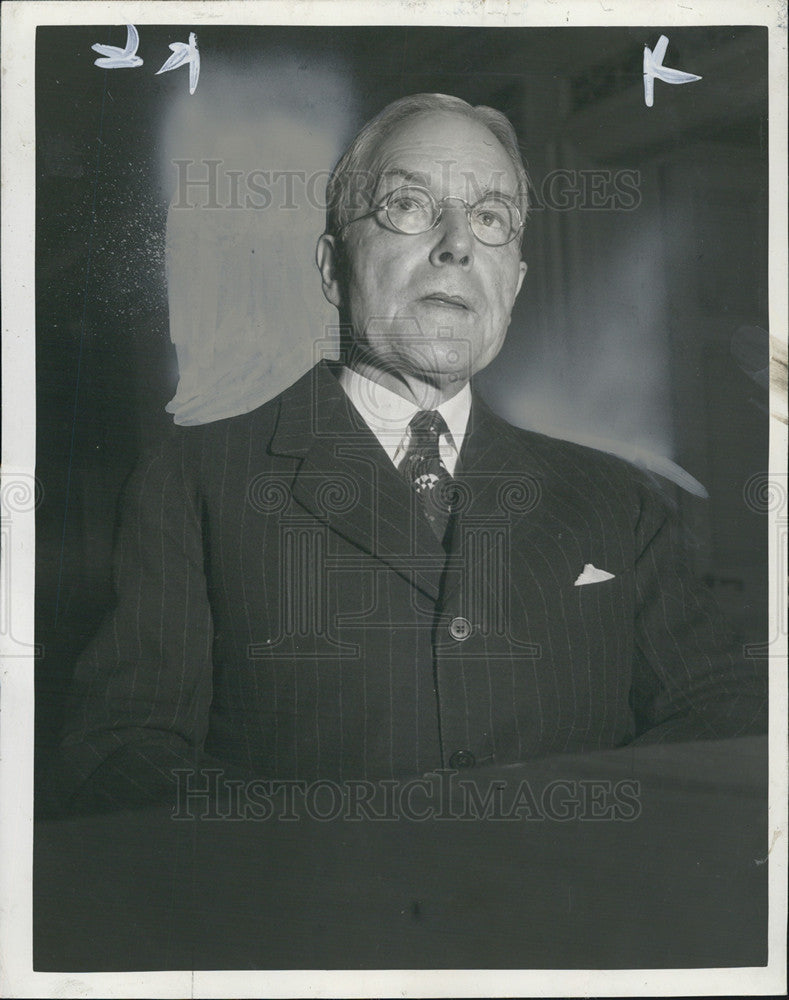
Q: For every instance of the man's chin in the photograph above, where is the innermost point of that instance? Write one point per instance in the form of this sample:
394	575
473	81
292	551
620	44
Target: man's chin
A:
439	362
435	353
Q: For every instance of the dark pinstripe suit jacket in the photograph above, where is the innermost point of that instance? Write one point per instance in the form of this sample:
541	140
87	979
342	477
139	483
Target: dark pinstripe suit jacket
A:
283	606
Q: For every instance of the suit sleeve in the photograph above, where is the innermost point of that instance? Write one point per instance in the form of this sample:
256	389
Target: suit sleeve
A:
691	678
142	689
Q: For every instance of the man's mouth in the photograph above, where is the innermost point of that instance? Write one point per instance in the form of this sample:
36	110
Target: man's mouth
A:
443	299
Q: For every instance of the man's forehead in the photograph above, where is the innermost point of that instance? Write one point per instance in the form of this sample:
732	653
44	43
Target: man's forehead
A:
470	185
458	151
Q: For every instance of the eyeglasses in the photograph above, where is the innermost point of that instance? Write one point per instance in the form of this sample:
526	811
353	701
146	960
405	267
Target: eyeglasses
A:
495	219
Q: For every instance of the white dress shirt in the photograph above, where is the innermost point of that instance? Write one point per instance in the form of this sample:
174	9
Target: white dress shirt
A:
388	414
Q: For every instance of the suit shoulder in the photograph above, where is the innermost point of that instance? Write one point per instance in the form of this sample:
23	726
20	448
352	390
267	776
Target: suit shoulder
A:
555	454
258	425
590	469
207	455
201	443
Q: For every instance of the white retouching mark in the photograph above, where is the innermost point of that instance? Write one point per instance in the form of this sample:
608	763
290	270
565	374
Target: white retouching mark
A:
761	861
114	57
654	68
184	52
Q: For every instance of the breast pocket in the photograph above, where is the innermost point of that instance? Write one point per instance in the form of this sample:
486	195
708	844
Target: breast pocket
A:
616	585
600	615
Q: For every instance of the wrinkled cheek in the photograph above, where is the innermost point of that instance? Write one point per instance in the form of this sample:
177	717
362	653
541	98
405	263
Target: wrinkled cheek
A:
360	300
506	298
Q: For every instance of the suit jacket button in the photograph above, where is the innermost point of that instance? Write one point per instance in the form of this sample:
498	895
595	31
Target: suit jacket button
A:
461	759
460	628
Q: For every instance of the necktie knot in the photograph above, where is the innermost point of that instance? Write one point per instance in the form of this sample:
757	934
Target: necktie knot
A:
427	426
423	458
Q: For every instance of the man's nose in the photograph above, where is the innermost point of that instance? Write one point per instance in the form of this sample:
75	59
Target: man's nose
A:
455	241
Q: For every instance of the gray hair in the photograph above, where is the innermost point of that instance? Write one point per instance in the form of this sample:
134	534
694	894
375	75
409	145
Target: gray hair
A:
354	178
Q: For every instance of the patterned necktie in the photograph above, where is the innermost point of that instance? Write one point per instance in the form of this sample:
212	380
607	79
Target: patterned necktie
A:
423	468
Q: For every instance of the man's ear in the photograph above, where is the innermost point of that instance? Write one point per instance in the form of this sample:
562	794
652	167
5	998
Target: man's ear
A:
326	257
523	267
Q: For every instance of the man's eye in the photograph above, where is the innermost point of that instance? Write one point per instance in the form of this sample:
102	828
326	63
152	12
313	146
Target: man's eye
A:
406	204
491	219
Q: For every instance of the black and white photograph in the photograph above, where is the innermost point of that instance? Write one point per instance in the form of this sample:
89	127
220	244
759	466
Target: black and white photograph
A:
394	499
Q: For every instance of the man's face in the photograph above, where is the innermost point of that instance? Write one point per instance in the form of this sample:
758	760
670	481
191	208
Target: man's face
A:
436	305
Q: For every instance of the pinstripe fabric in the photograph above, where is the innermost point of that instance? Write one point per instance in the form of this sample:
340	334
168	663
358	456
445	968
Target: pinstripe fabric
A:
283	607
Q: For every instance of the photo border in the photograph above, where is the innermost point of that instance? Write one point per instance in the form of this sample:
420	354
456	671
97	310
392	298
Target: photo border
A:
18	493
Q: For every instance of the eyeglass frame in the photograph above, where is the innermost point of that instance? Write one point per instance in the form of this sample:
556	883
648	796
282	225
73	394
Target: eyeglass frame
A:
439	205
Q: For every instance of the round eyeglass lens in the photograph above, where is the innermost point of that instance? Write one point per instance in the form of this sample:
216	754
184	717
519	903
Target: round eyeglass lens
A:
494	220
411	210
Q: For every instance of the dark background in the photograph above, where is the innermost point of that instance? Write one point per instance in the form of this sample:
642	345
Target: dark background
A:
624	330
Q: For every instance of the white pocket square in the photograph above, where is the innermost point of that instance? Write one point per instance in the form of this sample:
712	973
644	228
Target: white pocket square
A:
592	574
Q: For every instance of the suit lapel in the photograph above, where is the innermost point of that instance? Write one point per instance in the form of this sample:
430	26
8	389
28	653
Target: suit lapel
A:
347	481
498	482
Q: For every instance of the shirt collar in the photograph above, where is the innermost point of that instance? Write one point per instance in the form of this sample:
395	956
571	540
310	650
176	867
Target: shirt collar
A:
387	414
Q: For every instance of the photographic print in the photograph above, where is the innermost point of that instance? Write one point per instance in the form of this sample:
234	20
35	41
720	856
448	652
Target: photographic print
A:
394	499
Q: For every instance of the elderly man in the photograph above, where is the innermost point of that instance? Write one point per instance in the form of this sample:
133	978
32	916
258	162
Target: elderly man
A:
372	575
